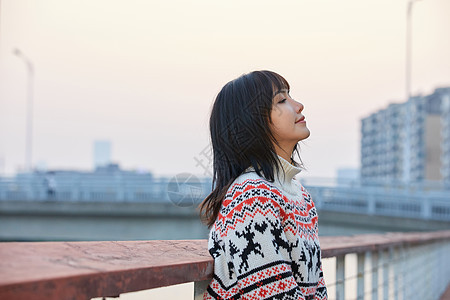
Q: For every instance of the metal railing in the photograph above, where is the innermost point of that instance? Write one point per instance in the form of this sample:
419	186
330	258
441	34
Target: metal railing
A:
422	201
428	205
95	189
396	266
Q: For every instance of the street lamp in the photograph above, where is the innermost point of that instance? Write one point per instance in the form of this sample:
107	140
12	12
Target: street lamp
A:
29	113
408	47
408	120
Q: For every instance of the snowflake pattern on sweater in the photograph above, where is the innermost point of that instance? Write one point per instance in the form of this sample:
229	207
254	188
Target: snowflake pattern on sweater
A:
264	241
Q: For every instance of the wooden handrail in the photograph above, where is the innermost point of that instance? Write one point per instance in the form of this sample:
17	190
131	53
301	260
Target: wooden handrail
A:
83	270
341	245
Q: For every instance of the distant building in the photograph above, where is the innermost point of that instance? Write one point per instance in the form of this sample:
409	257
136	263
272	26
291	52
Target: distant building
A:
445	168
346	176
408	141
102	153
106	184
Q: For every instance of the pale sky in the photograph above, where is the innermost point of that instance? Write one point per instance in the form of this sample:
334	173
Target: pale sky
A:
143	74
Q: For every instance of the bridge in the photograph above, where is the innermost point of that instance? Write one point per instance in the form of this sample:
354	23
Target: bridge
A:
140	207
159	210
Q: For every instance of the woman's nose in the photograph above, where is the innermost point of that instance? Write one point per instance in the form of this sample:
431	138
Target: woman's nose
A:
299	106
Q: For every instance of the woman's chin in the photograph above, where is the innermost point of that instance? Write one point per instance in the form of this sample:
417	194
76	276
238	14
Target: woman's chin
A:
306	135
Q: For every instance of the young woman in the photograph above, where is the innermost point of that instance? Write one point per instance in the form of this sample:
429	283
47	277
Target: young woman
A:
263	222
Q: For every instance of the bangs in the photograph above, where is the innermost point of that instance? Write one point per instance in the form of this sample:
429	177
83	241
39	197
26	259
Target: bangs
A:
263	86
278	82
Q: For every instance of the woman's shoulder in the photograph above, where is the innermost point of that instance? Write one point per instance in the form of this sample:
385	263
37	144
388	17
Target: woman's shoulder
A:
247	177
248	198
250	181
250	188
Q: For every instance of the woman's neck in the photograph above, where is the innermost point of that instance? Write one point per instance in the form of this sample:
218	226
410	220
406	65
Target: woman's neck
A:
285	175
283	153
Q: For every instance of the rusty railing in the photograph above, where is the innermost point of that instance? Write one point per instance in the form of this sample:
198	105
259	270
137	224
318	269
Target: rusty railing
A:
400	266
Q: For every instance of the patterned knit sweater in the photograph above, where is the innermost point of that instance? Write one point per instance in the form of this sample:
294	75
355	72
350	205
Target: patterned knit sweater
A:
264	241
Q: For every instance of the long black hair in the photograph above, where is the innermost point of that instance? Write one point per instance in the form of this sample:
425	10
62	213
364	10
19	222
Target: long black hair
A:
241	136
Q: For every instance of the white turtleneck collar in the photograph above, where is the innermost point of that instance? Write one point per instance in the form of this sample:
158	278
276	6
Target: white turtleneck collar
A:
285	176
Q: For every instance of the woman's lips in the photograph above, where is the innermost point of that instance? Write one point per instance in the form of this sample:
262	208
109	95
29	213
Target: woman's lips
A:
301	120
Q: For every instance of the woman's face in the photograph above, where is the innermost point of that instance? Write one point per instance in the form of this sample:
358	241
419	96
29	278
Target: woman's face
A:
288	123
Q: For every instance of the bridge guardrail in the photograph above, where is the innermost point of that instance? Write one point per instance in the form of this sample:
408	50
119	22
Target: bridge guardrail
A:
401	265
419	201
375	201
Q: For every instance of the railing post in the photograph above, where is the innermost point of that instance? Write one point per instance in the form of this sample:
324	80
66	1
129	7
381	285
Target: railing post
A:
385	263
434	265
360	276
403	267
408	280
374	259
444	260
200	288
340	277
395	270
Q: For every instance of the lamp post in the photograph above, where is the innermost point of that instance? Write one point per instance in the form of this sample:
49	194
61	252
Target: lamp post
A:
407	145
29	109
408	47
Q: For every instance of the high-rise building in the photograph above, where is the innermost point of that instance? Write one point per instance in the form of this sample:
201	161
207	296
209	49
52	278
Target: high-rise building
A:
381	144
445	168
408	141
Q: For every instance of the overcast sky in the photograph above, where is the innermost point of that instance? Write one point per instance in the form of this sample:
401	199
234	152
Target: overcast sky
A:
143	74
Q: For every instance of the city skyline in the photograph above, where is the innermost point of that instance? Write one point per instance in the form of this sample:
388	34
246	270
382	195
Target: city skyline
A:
144	75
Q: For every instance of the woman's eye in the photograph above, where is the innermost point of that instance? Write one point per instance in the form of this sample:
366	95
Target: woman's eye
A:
282	101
